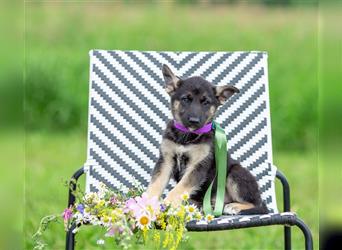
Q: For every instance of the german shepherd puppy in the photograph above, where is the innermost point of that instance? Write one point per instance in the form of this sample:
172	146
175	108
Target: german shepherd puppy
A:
189	158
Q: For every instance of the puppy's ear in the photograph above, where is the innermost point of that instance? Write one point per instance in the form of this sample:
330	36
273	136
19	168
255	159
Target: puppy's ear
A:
172	82
224	92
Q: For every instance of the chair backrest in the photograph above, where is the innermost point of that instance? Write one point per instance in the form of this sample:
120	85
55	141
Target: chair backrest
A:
129	108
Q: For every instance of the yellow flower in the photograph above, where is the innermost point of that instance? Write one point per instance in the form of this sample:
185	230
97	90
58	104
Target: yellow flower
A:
163	225
166	240
156	238
150	209
198	216
161	222
181	212
105	218
101	203
185	196
209	217
118	211
144	231
113	215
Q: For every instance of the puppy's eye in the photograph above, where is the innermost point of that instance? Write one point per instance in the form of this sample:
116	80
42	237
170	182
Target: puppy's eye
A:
205	102
186	99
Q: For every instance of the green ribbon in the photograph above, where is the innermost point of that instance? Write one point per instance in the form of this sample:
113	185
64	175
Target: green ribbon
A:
221	173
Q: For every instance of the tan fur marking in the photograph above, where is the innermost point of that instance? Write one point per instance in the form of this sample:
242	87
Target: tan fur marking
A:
219	90
172	85
244	206
236	207
221	95
211	113
176	105
196	154
218	93
175	110
176	82
157	185
233	190
169	89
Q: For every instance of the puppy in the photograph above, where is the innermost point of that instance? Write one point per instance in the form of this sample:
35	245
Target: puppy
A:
187	155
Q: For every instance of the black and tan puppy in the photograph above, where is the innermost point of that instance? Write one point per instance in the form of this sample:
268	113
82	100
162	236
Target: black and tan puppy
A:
189	158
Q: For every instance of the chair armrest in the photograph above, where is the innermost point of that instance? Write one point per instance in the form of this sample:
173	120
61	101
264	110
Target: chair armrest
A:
286	191
72	185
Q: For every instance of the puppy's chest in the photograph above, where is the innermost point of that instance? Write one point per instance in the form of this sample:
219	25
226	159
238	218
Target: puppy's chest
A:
181	158
184	157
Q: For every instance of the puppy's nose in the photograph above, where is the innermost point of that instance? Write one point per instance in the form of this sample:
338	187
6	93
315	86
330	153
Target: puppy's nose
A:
194	120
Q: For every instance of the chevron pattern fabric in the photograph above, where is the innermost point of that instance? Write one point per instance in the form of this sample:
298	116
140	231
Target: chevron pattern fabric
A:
241	221
129	108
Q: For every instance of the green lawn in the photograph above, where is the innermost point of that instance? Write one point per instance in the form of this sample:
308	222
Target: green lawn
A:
52	158
59	35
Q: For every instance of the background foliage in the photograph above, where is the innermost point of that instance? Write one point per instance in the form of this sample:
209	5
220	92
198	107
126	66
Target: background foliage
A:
58	37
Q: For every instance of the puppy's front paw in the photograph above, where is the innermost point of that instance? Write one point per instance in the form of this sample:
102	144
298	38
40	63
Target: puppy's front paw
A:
172	199
231	208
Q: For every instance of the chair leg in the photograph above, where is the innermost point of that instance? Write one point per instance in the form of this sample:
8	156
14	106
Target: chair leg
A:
287	237
70	238
307	233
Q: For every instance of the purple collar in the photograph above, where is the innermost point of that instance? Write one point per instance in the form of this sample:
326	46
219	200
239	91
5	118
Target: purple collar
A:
205	129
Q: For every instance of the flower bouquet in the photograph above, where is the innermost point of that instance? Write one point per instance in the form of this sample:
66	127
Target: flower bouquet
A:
127	217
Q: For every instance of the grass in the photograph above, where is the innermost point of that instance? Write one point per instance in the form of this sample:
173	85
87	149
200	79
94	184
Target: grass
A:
59	36
52	158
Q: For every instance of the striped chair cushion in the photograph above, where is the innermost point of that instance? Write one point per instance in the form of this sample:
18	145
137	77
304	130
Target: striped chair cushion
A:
226	222
128	110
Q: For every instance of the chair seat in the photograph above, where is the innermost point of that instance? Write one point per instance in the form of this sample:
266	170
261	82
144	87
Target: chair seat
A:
227	222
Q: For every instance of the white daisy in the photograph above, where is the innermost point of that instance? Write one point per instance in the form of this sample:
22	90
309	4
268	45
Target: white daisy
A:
79	218
198	216
209	217
191	209
171	211
144	221
100	242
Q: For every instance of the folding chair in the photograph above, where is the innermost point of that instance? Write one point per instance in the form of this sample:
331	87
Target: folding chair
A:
128	110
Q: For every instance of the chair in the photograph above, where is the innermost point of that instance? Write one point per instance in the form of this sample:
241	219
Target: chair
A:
128	110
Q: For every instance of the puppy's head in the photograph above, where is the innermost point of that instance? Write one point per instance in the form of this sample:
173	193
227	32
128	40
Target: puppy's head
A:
194	100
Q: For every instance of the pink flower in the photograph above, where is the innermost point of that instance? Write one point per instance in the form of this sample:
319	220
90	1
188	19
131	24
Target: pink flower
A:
114	230
131	205
113	200
142	205
145	201
67	214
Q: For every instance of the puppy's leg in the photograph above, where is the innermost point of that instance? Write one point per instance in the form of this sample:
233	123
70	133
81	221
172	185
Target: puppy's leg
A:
160	176
184	186
195	173
243	193
235	207
190	182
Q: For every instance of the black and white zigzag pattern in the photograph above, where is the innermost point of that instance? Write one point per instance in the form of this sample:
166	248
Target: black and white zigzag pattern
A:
129	107
240	221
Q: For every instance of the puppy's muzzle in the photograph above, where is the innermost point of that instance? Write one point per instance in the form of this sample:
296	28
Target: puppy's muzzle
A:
193	120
